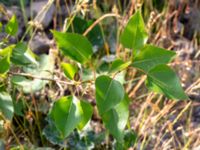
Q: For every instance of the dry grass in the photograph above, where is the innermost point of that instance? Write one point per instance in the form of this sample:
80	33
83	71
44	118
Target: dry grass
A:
161	124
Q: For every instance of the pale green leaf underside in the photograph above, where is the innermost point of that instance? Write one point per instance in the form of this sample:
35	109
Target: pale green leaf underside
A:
44	70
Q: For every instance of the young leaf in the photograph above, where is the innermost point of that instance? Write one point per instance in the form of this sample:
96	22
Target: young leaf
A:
75	46
119	65
109	93
7	50
68	113
12	26
116	119
163	79
151	56
6	105
69	70
134	35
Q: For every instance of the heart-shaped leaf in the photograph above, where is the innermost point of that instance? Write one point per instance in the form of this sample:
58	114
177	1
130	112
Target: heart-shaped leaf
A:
151	56
109	93
69	113
163	79
75	46
134	35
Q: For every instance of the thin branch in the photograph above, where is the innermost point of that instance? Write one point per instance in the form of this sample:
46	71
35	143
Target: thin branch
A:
99	20
43	78
51	79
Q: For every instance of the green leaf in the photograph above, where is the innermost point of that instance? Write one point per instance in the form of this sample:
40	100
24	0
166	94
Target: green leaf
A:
5	64
7	50
80	25
115	119
43	70
151	56
163	79
69	70
130	139
68	113
119	65
75	46
134	35
21	55
109	93
1	25
86	111
12	26
5	59
19	107
6	105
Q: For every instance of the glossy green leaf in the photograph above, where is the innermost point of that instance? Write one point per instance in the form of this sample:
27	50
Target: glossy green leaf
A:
151	56
163	79
109	93
134	35
4	64
69	70
69	113
21	55
86	110
119	65
6	105
75	46
7	50
115	119
66	115
12	26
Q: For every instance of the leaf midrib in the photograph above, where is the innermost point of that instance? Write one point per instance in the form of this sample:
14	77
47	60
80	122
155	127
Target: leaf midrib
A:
162	84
